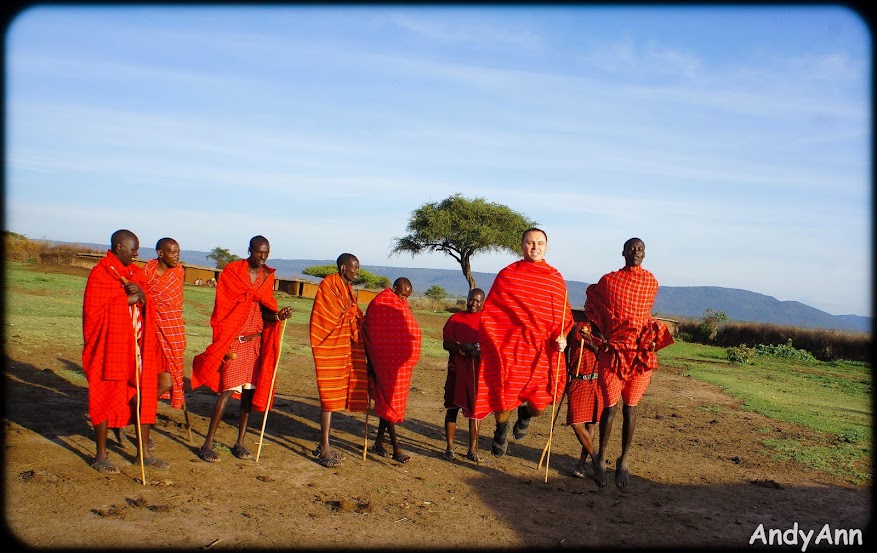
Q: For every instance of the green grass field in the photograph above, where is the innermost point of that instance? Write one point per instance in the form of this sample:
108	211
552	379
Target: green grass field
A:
43	311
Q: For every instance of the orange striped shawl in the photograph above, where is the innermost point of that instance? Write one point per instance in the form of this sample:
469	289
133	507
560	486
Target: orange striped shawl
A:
339	352
165	291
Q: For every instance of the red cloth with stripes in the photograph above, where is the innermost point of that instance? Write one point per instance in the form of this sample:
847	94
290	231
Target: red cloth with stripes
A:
621	306
109	353
462	327
235	292
338	348
392	342
524	313
585	401
165	291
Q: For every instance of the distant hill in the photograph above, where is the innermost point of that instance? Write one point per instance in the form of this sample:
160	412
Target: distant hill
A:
672	301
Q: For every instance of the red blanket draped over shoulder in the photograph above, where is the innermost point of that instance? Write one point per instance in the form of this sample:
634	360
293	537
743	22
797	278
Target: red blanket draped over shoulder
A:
462	327
109	354
620	305
392	341
234	293
524	312
165	291
339	352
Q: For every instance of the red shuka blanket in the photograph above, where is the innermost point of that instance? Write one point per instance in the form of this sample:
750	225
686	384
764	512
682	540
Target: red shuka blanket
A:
109	354
339	352
462	327
166	294
234	293
620	305
524	313
392	342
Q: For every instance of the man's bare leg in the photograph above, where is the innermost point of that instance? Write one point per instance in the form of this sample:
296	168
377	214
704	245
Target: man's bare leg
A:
622	470
605	430
206	452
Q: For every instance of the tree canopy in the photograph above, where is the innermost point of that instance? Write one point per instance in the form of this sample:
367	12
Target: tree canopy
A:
461	228
222	257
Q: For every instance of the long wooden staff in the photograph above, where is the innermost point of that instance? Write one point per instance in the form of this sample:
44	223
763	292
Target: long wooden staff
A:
271	389
565	392
368	405
477	422
186	415
139	366
554	397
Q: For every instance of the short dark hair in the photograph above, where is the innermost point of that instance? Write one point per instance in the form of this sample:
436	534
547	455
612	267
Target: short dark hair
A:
258	239
119	236
630	241
163	242
344	259
534	229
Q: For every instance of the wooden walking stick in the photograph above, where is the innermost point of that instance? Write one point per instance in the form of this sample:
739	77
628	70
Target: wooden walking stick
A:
477	422
139	367
554	396
565	392
368	405
271	389
186	415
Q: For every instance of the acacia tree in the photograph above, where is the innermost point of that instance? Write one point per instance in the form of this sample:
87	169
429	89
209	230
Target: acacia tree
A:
222	257
461	228
365	278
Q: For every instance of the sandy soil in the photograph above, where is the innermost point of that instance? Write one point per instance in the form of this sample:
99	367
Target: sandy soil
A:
700	475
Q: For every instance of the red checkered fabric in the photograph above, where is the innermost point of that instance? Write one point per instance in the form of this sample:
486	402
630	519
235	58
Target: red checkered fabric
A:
461	327
337	345
392	342
165	291
524	313
631	390
235	292
620	305
111	353
585	401
242	369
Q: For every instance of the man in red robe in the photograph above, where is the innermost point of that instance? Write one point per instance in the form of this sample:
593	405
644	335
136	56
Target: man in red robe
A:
620	309
460	339
246	343
392	342
585	401
339	353
164	288
120	350
522	334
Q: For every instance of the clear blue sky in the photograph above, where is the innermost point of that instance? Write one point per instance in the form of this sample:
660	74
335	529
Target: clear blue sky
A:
735	141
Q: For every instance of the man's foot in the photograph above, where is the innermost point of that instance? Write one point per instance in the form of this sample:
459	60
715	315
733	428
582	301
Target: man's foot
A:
523	422
329	462
472	456
155	463
448	455
150	445
622	473
120	435
599	471
241	452
401	457
500	439
578	472
380	451
208	455
105	467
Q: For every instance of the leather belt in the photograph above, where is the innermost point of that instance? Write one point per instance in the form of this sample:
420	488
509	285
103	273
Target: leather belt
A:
248	337
592	376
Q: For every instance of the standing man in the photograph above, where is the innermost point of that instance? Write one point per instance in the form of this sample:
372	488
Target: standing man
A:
164	288
460	339
522	335
621	310
246	343
392	342
120	349
339	351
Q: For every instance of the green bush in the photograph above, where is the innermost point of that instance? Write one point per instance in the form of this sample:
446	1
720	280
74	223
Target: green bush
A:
786	351
741	355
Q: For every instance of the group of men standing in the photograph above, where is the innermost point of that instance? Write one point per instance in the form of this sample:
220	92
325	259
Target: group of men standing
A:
507	351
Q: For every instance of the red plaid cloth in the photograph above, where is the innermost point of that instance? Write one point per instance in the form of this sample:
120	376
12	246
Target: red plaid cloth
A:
392	342
461	327
165	291
235	291
620	305
524	313
109	354
585	401
339	352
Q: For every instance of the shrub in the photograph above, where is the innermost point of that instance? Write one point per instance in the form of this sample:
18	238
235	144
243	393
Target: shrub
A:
741	355
785	351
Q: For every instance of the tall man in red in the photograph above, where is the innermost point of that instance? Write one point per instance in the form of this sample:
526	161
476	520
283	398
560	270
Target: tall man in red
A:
246	343
620	308
164	288
339	351
392	342
460	340
522	334
120	349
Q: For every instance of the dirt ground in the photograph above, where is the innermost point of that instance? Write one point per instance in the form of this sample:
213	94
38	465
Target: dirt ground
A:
700	476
